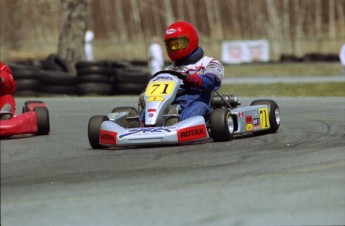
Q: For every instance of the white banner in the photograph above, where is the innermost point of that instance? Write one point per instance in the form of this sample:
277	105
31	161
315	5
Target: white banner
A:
236	52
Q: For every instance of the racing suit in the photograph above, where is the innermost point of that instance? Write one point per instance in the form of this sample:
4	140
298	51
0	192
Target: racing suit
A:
195	101
7	88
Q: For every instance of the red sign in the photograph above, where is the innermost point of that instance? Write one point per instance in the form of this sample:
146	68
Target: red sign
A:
192	133
107	137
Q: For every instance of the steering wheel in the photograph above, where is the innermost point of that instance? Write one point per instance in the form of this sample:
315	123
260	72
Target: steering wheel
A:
177	74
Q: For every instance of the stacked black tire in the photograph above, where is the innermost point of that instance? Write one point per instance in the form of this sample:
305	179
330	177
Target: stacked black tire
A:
94	78
110	78
56	77
310	57
130	80
53	76
25	75
49	77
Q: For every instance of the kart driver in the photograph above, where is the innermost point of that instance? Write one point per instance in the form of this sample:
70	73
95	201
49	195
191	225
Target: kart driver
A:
7	88
204	74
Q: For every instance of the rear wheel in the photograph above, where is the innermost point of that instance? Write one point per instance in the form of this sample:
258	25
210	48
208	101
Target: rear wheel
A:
221	125
274	114
93	130
43	124
27	103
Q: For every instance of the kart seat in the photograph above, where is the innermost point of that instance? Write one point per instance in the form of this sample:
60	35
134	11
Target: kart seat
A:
5	115
6	112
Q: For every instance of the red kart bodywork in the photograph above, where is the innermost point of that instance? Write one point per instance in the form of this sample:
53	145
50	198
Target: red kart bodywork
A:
25	123
20	124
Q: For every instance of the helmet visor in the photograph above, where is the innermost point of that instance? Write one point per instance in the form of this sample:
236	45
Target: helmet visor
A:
175	44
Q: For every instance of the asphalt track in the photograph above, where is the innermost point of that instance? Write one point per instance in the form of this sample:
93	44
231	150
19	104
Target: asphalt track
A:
293	177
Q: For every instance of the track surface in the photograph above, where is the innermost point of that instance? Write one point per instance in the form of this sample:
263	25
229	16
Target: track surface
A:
293	177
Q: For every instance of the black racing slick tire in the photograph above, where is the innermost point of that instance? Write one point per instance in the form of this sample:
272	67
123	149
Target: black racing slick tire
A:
27	103
222	125
43	124
94	129
274	114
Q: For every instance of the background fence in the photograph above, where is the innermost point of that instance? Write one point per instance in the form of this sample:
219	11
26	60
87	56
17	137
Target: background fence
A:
124	28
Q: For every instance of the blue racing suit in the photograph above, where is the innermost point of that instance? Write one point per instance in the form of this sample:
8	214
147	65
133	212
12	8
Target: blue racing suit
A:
196	100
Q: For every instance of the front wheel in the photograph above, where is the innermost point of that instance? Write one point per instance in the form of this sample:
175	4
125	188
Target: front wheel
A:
274	114
43	124
222	125
94	129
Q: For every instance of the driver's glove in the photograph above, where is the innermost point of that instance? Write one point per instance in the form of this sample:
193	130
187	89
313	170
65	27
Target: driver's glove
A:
193	80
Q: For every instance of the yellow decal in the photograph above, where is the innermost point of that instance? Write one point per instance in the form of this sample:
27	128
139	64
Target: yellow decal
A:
160	88
155	98
249	127
264	118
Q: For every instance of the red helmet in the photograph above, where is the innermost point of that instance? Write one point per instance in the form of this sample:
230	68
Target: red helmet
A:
181	39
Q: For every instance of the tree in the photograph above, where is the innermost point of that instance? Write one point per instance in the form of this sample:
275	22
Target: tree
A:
73	27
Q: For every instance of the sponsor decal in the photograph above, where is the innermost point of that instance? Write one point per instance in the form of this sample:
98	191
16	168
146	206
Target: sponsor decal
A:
192	133
171	31
219	70
151	115
162	77
137	131
264	118
249	119
240	114
107	137
249	127
155	98
151	110
256	123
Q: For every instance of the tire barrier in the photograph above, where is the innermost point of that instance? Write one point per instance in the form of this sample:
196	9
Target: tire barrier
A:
52	77
56	82
130	80
110	78
55	63
94	78
25	77
310	57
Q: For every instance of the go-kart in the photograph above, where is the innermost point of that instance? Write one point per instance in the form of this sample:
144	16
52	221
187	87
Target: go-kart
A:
34	119
157	103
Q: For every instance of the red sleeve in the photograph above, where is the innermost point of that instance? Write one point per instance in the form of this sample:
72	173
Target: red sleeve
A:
7	85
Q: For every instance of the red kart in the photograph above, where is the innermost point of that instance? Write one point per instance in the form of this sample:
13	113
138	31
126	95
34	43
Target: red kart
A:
33	120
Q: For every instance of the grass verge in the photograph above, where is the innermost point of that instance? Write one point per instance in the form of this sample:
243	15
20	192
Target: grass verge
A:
286	89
